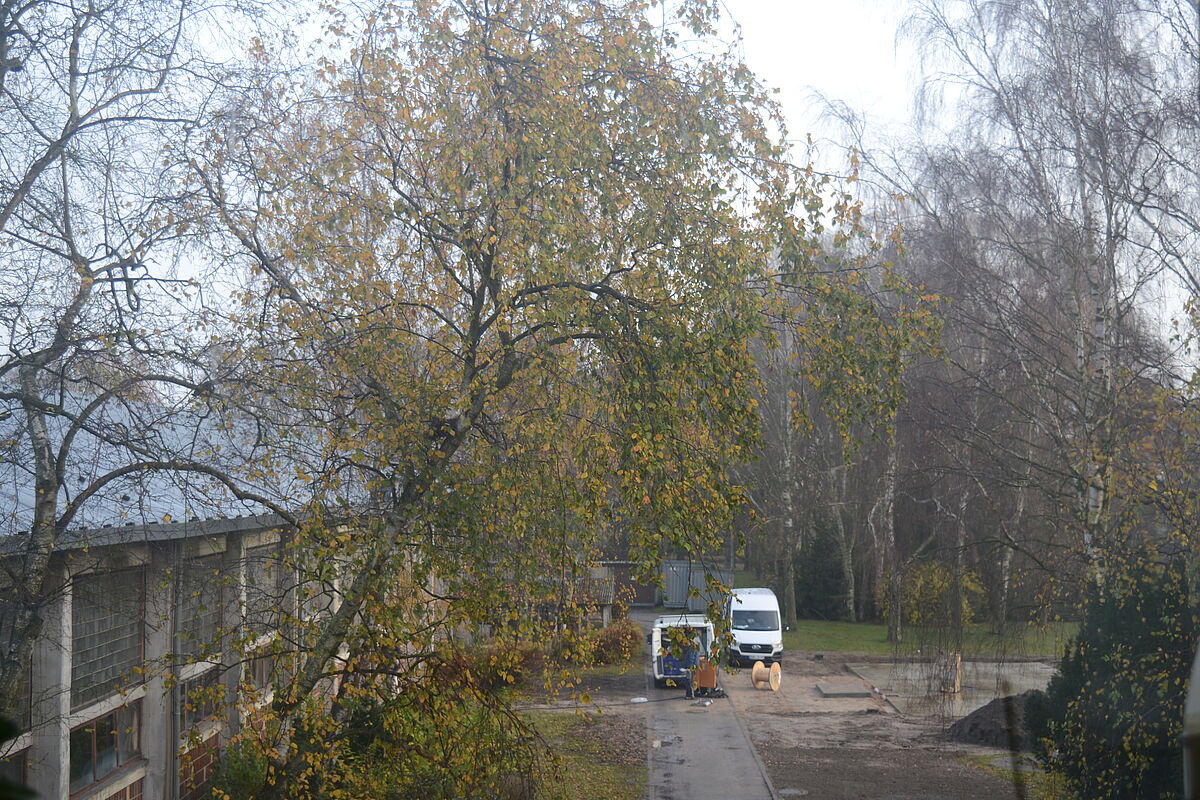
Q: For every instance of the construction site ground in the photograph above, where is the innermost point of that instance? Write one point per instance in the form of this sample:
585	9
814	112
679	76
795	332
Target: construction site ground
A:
855	747
810	745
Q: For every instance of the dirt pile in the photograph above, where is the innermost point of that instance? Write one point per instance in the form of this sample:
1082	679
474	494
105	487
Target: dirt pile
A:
1001	723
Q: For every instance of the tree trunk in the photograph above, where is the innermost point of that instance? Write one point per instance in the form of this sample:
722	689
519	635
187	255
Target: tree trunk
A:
20	618
845	541
1000	623
960	548
790	544
889	557
846	552
789	594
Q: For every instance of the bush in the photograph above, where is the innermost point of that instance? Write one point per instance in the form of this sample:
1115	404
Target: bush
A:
927	595
530	660
494	666
240	773
619	642
1111	718
426	744
573	647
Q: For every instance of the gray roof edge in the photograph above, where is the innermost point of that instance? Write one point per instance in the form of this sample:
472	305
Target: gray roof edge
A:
146	533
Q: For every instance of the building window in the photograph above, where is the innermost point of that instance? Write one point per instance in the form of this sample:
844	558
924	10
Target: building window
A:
13	768
104	745
199	699
107	610
199	607
264	596
318	593
261	672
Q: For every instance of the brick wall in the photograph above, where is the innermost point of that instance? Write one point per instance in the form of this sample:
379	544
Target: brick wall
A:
196	769
131	792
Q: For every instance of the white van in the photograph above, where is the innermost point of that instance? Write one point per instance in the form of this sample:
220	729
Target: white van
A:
756	627
672	665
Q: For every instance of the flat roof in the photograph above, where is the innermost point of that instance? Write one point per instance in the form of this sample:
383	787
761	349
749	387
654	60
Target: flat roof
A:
141	533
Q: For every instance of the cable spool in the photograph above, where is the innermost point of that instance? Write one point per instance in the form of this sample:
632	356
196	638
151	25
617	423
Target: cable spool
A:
764	678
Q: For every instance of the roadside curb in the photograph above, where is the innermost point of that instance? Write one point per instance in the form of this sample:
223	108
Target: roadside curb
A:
762	768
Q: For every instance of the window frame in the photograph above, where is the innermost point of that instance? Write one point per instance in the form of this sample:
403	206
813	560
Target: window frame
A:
133	756
82	696
203	713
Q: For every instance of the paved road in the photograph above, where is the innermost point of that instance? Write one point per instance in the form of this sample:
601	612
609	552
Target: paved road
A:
699	752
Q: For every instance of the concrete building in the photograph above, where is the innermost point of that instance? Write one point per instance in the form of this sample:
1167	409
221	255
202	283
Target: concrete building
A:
120	695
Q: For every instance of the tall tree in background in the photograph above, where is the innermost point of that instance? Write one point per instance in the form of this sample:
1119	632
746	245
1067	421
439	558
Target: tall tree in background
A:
848	328
1050	196
1034	216
1057	211
92	369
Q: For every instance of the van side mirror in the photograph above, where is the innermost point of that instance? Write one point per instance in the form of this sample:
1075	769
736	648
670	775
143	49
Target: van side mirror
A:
649	638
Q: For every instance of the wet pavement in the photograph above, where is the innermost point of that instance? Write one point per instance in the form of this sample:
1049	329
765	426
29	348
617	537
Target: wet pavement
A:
699	750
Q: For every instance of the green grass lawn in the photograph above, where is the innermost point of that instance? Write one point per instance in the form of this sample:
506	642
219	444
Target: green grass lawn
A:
743	578
1036	785
1020	641
585	772
1023	641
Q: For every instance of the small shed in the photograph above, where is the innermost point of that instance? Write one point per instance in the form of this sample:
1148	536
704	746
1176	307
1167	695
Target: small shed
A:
676	578
598	591
698	581
629	590
680	576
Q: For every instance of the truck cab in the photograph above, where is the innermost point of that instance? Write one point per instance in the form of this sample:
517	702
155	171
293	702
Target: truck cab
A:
677	642
756	627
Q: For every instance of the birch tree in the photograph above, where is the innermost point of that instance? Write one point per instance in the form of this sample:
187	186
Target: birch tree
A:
90	369
1044	191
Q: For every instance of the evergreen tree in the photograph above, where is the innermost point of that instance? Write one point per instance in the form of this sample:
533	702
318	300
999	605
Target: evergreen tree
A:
1110	721
820	586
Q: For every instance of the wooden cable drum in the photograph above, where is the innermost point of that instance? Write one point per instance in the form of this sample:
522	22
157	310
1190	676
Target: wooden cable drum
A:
764	678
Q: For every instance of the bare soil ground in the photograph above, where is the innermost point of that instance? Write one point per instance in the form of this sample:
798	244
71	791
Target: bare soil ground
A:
835	748
620	725
610	719
813	746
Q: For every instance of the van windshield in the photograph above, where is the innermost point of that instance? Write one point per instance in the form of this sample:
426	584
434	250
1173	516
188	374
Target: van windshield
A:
756	620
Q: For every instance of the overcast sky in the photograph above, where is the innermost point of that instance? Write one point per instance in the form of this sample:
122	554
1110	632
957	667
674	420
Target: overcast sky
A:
843	49
847	50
